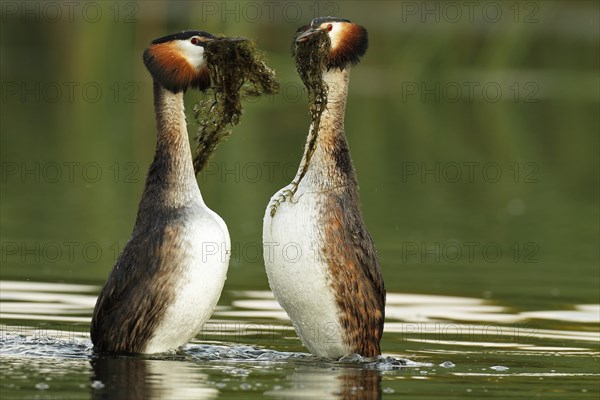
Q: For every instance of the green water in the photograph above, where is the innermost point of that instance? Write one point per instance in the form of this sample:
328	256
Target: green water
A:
475	140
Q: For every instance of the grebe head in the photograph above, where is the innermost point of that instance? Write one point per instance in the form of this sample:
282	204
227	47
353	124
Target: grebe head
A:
178	62
349	41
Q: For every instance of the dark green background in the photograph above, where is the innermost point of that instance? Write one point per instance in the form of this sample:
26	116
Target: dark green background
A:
424	98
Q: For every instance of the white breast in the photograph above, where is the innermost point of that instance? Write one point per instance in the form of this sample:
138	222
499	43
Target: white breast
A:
298	276
199	288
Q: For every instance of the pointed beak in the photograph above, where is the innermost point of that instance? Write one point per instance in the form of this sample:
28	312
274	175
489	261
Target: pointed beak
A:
306	35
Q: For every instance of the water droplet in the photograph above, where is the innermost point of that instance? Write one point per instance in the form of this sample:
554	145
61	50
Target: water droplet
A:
388	390
245	386
42	386
351	358
239	372
447	364
97	385
499	368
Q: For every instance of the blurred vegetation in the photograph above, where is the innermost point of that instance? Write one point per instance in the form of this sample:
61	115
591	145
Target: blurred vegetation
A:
416	99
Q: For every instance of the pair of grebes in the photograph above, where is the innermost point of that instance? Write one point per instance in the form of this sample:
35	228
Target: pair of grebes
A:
163	287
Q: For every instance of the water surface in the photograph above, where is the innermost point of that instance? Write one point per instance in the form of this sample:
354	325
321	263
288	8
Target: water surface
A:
470	347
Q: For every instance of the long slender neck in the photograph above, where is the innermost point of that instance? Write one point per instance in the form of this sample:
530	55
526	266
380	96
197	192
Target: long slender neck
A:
329	164
171	182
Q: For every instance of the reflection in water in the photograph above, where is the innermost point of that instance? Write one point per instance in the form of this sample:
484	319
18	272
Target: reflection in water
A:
120	377
132	377
420	308
336	383
361	384
586	313
448	320
45	301
44	339
135	377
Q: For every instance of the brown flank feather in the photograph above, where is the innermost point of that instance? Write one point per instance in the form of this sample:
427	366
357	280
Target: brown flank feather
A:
352	260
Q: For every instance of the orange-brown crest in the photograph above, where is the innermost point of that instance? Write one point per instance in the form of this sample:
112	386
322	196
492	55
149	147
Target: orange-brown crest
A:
351	44
349	41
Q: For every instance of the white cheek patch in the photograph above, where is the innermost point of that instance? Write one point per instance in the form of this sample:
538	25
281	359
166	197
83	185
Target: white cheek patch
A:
192	53
336	35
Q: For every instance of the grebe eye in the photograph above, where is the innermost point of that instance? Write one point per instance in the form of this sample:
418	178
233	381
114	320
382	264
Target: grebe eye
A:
329	27
194	40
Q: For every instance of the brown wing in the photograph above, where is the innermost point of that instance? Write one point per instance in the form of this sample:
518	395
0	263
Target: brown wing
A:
356	275
137	292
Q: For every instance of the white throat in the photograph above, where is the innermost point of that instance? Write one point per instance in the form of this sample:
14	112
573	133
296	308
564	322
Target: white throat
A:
193	54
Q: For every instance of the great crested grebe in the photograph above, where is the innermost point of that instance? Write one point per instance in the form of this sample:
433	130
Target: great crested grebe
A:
333	291
165	283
